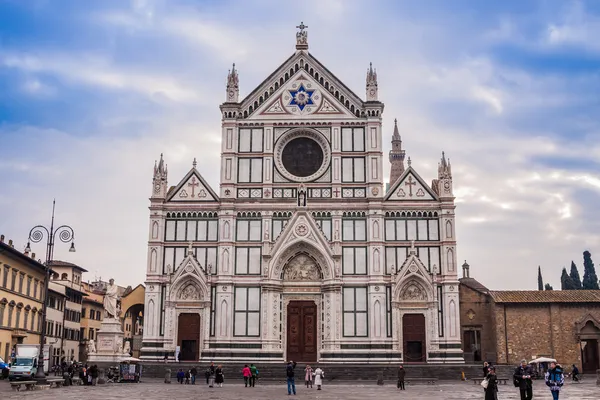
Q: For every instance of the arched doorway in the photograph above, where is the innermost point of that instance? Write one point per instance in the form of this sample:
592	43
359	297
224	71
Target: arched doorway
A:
589	341
302	331
414	337
188	336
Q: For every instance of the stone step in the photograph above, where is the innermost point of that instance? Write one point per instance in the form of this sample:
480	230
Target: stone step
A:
335	372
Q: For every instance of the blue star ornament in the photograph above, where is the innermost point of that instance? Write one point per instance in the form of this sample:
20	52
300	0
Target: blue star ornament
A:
301	97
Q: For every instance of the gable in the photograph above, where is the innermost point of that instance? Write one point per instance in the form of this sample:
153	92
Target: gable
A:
300	97
301	226
333	95
410	187
193	188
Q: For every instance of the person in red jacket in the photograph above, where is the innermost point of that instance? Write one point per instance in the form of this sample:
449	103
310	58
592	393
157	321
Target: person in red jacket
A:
247	374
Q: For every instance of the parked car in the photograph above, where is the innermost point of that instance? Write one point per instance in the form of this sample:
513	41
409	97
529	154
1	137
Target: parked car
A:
3	365
4	369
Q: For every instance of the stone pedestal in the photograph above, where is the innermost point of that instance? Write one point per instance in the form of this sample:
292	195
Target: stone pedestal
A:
109	344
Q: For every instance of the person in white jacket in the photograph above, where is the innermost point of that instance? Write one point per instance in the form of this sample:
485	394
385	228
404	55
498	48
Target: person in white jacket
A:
319	374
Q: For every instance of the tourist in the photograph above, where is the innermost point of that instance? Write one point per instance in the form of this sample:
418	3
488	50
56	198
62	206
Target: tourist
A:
254	372
187	377
319	375
522	377
219	376
308	376
211	375
491	391
207	375
401	376
575	373
194	372
486	367
180	376
289	371
247	374
555	379
94	373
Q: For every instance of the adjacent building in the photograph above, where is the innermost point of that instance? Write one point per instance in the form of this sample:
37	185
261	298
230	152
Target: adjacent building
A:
302	253
92	313
69	276
55	321
21	296
506	326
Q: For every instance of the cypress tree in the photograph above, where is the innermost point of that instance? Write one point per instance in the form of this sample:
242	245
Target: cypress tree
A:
566	283
548	287
575	276
590	279
540	280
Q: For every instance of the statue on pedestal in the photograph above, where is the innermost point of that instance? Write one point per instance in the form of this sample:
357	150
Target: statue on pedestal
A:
110	300
91	347
127	347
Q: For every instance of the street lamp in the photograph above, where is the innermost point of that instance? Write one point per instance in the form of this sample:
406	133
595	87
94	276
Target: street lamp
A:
66	234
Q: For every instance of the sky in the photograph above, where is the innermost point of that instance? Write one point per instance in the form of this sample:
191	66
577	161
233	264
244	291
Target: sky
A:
91	93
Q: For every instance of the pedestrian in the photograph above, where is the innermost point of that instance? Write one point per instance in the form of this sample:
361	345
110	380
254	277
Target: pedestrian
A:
319	375
94	372
486	367
207	374
555	379
254	376
187	377
247	375
575	373
211	375
219	376
522	380
308	376
180	376
194	372
401	376
289	371
490	384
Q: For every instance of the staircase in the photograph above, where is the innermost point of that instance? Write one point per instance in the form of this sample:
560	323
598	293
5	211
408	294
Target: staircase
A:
361	374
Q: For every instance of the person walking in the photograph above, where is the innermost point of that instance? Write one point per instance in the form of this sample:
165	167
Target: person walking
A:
194	372
486	367
219	376
522	377
308	376
289	372
247	375
575	373
187	377
94	373
491	391
211	375
555	379
319	375
401	376
180	376
254	375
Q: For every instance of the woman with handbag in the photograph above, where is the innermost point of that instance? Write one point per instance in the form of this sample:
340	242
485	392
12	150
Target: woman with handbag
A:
490	385
319	375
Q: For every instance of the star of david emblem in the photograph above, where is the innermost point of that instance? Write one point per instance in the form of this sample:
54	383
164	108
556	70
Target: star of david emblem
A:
301	97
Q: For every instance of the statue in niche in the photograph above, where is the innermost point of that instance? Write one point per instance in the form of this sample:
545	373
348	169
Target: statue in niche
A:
301	268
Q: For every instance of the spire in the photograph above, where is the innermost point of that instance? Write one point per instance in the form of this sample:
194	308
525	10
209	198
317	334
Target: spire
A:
396	155
372	91
233	90
159	170
302	37
444	168
194	163
159	181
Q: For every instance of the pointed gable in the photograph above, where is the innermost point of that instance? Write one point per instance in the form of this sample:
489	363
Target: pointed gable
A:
302	226
190	280
193	187
411	282
331	96
410	187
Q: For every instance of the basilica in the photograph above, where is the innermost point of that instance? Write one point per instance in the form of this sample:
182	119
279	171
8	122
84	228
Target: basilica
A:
303	252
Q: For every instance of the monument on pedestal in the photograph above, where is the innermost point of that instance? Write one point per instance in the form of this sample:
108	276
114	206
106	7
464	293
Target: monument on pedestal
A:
109	347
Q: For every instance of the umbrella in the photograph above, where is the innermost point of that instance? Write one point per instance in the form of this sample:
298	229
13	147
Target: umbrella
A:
130	359
542	360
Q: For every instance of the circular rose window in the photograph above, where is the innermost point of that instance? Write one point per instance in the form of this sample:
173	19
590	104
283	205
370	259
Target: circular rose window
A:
302	155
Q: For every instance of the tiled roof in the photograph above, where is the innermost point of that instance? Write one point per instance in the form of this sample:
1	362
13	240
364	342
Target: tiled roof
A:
59	263
545	296
473	284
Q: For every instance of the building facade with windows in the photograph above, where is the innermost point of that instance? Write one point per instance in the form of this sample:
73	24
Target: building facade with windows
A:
21	296
55	321
92	313
303	253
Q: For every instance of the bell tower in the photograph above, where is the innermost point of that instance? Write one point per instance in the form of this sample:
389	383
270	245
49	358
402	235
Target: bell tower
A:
159	181
396	155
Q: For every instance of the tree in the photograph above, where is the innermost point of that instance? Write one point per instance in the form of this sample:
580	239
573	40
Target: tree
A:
566	283
548	287
540	280
590	279
575	276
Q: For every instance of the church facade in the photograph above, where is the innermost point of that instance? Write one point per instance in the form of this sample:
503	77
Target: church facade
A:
302	254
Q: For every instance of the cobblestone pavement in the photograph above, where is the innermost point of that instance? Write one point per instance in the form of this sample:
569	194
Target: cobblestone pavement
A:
157	390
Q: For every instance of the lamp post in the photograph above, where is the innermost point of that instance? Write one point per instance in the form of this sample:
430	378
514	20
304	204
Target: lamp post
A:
66	234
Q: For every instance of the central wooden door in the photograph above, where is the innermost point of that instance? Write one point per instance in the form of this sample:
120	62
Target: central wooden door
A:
188	337
302	331
413	336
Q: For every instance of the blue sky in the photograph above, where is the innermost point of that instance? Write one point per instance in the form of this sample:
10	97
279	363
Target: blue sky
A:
92	92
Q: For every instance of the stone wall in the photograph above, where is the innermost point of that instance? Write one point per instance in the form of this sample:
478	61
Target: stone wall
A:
535	330
476	314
